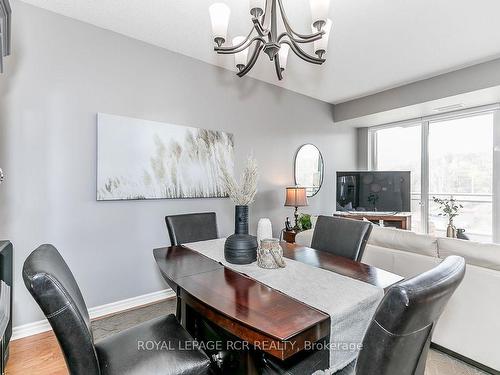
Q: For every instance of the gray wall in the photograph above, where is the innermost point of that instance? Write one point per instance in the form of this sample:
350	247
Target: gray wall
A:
61	73
362	149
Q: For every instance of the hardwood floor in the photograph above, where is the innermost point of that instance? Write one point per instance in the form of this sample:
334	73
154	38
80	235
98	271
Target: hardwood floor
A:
40	354
36	355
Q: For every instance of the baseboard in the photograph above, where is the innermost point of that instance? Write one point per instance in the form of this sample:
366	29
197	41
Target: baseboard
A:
467	360
130	303
96	312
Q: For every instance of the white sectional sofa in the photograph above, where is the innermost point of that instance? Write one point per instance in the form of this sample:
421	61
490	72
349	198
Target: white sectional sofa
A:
470	325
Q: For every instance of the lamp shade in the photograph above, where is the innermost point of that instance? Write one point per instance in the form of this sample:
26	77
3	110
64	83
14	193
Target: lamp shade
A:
296	196
283	54
240	58
219	15
321	45
319	10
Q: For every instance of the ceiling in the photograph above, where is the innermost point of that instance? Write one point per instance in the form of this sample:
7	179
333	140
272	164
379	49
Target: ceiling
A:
375	45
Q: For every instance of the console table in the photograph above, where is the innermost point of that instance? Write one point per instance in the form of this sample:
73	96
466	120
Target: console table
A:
401	220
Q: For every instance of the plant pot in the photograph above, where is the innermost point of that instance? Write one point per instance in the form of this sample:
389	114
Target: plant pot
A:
240	247
451	230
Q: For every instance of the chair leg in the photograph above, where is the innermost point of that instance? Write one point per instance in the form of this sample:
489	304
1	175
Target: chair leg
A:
178	309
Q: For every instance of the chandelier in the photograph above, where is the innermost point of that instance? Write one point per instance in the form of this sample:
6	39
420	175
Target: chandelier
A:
264	35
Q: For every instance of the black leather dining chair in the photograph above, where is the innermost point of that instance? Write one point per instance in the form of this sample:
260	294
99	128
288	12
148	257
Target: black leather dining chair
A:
53	286
339	236
194	227
187	228
398	338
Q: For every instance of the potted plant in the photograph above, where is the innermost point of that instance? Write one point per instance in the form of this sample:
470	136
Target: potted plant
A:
304	222
240	247
450	209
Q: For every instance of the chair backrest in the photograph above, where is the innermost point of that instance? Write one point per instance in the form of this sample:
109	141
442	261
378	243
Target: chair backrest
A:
4	310
339	236
6	252
51	283
398	337
191	227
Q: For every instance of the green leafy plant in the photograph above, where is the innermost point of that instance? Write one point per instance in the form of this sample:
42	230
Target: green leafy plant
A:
448	207
305	222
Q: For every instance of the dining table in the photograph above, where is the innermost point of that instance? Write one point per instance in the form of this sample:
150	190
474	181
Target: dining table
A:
249	327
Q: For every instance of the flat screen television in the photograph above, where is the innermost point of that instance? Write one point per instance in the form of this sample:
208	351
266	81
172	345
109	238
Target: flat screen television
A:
381	191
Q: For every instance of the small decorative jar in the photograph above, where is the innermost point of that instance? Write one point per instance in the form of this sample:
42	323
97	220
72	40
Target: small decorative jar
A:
270	254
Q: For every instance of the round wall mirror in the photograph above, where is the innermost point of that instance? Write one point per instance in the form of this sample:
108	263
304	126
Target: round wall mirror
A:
309	169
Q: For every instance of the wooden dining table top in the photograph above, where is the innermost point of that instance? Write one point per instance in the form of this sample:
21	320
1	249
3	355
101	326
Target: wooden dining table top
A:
252	310
341	265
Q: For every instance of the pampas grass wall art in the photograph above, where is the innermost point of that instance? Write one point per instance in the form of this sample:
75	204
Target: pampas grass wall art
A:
139	159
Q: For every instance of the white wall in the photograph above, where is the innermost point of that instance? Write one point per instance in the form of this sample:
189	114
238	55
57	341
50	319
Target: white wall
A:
61	73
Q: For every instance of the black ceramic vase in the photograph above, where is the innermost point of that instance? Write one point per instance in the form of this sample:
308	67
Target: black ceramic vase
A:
240	247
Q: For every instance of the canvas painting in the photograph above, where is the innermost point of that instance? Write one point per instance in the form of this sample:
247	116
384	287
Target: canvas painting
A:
139	159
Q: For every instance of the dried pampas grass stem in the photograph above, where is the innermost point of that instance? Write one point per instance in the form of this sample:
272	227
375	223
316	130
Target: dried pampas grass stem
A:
242	193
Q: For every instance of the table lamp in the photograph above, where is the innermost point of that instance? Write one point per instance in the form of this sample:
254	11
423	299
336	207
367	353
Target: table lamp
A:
296	197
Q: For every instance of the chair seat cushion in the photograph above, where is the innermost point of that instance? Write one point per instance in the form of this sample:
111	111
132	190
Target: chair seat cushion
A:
158	347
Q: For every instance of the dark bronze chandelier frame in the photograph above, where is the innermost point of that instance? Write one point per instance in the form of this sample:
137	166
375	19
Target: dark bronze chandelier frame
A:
267	39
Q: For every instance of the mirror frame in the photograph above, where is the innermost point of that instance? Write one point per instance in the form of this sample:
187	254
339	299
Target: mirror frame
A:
322	167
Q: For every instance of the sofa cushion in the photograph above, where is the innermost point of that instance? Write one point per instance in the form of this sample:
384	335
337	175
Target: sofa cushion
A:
476	253
404	240
403	263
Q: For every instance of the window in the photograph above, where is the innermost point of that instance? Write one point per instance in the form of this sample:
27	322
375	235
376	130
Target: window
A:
461	166
448	156
398	149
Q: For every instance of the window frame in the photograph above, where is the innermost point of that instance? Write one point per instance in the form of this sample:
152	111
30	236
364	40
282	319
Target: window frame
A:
424	123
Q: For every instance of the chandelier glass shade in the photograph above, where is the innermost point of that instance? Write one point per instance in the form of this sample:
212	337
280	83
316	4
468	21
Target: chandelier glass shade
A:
264	35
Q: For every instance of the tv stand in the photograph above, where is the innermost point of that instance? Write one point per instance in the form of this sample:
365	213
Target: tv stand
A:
401	220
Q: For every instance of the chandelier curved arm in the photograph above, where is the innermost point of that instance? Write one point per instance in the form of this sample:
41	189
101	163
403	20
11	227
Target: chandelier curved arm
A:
260	29
253	59
263	27
239	47
277	66
302	54
312	38
289	28
217	48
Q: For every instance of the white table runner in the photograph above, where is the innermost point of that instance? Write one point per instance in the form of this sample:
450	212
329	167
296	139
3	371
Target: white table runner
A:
350	303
